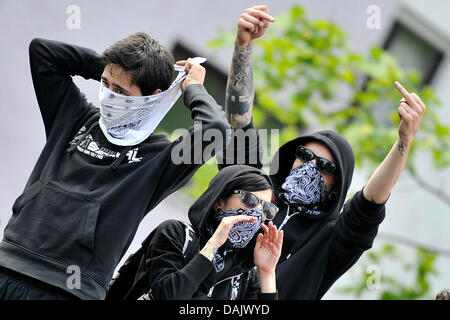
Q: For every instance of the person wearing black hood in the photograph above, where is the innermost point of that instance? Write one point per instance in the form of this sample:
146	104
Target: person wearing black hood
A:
311	176
225	244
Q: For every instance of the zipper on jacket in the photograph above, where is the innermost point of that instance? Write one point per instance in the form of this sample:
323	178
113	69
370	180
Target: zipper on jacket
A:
210	292
285	220
287	217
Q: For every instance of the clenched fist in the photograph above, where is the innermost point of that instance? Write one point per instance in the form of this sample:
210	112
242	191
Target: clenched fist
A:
195	73
252	24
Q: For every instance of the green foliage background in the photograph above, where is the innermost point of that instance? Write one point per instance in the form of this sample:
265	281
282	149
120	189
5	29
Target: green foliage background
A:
300	67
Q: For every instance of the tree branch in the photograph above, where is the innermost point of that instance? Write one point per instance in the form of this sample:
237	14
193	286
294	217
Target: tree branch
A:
430	188
412	243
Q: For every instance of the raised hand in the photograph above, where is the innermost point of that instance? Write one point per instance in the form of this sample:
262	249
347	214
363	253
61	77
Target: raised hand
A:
195	73
268	248
221	234
252	24
411	111
266	255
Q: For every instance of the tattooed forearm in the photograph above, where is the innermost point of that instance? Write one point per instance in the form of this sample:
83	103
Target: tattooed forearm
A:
209	251
240	87
401	148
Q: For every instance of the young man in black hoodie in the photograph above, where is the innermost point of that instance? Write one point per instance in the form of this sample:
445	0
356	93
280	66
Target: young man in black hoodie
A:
100	171
311	176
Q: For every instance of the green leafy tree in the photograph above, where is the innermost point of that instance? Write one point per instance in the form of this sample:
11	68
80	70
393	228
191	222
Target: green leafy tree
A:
421	268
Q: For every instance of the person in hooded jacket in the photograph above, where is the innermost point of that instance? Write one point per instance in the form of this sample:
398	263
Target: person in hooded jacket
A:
101	169
226	244
311	175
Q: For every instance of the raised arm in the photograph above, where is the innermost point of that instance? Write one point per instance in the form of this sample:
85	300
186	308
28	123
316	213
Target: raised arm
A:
266	255
384	178
240	92
53	63
202	140
357	225
244	146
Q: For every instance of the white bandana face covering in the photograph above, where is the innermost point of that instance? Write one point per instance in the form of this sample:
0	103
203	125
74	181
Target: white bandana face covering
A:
129	120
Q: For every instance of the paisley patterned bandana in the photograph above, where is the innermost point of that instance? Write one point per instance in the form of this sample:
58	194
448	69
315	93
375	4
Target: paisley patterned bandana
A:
305	189
129	120
240	234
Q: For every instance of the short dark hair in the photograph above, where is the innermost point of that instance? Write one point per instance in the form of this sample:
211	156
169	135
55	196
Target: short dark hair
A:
149	63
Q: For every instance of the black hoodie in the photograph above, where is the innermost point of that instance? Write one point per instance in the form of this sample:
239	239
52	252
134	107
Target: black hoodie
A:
318	250
170	275
85	197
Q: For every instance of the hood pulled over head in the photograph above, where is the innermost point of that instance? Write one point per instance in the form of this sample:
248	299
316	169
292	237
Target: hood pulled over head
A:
203	207
345	161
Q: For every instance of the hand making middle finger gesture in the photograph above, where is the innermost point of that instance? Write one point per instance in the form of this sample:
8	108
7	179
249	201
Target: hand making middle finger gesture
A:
410	110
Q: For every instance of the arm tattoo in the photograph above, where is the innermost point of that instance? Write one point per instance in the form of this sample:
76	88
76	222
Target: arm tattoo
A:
209	251
401	148
240	88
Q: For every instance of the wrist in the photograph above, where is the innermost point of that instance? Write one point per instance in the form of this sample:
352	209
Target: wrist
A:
190	83
403	146
266	273
214	243
406	140
241	43
267	281
210	249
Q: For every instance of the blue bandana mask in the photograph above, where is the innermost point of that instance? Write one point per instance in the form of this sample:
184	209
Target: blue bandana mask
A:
305	189
240	234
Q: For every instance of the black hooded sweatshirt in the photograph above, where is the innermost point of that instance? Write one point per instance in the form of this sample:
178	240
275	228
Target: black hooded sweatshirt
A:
172	276
85	197
317	250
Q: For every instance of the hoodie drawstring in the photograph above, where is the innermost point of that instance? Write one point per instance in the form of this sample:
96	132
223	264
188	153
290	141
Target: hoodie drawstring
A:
119	160
287	217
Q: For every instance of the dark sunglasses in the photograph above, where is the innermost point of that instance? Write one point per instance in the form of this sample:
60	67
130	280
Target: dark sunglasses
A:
250	200
325	166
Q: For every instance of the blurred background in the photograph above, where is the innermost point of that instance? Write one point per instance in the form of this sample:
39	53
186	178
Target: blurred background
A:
323	64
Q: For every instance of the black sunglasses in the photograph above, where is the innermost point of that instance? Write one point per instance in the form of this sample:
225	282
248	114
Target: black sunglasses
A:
250	200
324	165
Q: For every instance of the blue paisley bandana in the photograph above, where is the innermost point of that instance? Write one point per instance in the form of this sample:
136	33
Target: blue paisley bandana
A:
240	234
305	189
